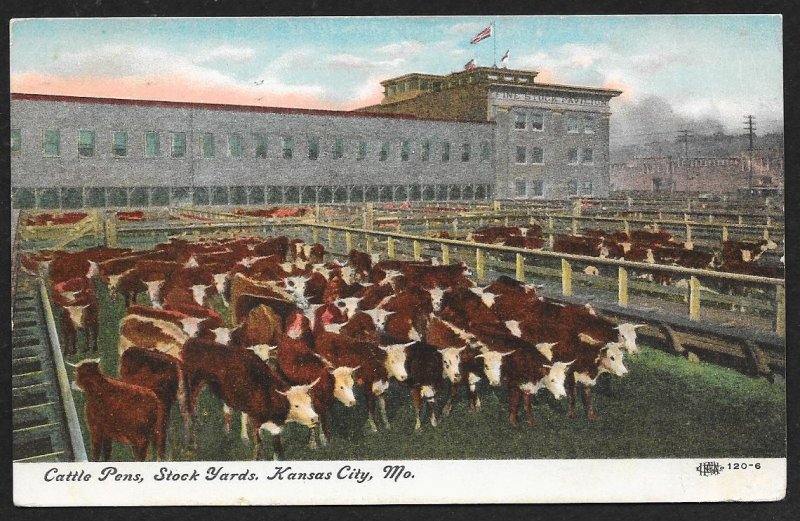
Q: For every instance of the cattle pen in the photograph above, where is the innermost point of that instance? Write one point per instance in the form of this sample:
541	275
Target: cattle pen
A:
737	338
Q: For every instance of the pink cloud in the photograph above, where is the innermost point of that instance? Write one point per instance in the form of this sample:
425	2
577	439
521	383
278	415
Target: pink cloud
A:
170	87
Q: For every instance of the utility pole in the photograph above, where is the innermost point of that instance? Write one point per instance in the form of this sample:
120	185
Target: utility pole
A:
750	128
683	137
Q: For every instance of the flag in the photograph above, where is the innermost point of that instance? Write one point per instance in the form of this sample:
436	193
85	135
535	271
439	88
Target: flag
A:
469	65
483	34
504	59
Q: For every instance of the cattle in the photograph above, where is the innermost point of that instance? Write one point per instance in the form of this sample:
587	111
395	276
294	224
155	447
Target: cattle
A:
577	245
260	326
193	285
424	366
80	312
501	234
119	411
162	374
735	251
301	365
245	383
151	333
246	293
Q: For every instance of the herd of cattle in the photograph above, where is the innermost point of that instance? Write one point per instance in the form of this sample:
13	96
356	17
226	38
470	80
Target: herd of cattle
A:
646	245
304	331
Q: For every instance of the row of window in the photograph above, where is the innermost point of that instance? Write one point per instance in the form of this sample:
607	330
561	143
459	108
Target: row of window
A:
528	188
535	155
535	121
428	150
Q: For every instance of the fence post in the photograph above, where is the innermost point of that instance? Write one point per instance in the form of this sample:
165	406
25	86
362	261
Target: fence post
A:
455	226
348	242
445	253
574	227
427	226
520	268
550	224
368	243
769	220
623	287
711	218
626	226
766	234
780	310
566	278
390	247
660	216
111	231
506	220
315	235
551	240
694	298
724	234
331	239
417	250
741	219
685	217
688	232
480	270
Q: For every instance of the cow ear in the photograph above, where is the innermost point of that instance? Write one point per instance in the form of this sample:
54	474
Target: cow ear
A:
587	339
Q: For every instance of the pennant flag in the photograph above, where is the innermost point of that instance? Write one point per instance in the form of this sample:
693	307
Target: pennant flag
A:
470	65
504	59
486	33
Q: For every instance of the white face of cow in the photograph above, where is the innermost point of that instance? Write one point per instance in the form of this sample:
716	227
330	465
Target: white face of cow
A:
191	325
492	365
556	376
191	263
747	255
220	280
375	258
379	317
154	291
650	258
296	286
343	385
94	270
199	293
322	270
348	275
390	276
486	297
222	335
396	360
611	357
437	295
349	305
451	359
262	351
301	410
627	337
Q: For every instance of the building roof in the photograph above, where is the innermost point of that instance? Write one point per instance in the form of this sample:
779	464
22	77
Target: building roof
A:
21	96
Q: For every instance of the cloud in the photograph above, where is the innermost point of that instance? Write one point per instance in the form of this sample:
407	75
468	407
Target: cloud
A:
465	28
349	61
402	49
227	53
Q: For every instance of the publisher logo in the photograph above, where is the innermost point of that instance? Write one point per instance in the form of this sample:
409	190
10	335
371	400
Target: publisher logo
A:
709	468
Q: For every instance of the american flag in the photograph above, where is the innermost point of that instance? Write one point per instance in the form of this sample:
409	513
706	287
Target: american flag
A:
470	65
483	34
504	59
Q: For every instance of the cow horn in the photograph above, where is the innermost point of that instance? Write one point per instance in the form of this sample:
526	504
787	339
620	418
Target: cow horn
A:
312	384
461	348
570	363
71	364
547	366
480	356
356	368
637	326
281	393
96	360
583	337
510	352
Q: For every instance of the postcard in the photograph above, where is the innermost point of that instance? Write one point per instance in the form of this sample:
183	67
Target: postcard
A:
385	260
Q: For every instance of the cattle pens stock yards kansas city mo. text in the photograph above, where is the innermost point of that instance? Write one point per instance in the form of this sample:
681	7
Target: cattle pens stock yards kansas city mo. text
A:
405	359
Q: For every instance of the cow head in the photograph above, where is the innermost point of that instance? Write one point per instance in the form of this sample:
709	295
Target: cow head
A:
437	296
451	360
343	385
379	317
348	306
375	258
191	263
221	283
199	293
295	326
301	410
191	325
222	335
465	270
154	292
348	274
610	359
513	326
86	373
296	286
546	348
390	277
769	244
492	365
395	362
486	297
747	255
650	258
322	270
627	336
555	378
94	270
262	351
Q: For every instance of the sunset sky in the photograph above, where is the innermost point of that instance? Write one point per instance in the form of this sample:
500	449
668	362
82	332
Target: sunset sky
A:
701	67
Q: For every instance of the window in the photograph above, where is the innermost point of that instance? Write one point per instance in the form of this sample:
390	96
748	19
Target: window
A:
178	144
16	140
657	184
465	152
572	156
535	189
588	125
424	85
572	124
405	150
152	144
519	187
445	151
486	151
313	148
426	150
588	155
287	144
338	149
51	143
519	121
362	151
521	155
207	145
86	143
537	121
235	145
587	188
384	154
537	155
572	187
260	142
119	144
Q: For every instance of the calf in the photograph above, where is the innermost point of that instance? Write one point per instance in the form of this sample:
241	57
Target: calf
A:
245	383
119	411
80	312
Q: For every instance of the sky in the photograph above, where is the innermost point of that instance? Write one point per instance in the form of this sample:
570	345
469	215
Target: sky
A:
691	71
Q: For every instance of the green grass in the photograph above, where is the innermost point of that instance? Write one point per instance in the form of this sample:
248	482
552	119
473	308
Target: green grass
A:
665	407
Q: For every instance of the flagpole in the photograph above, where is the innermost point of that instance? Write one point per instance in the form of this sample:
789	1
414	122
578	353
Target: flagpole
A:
494	45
